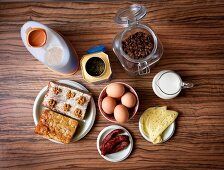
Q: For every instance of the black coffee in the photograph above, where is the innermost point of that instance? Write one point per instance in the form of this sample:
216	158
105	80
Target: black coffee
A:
138	45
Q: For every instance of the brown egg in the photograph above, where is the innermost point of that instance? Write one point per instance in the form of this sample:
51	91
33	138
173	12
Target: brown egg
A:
121	113
115	90
128	100
108	105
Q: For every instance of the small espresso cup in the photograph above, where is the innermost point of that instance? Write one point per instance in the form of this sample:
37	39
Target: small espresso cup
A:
167	84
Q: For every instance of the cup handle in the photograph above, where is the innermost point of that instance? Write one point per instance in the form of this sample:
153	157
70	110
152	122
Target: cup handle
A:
143	68
186	85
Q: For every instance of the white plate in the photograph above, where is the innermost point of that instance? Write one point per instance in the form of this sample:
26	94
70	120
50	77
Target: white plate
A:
118	156
84	126
167	134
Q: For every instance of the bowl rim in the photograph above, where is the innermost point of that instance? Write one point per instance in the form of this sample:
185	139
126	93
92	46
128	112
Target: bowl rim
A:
132	91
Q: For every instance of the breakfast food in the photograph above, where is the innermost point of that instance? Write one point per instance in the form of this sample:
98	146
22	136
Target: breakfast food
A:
66	100
111	135
114	142
121	113
55	126
128	100
115	90
120	146
111	144
108	105
118	102
155	121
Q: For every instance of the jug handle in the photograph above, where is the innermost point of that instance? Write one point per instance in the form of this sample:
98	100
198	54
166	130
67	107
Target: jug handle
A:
186	85
143	68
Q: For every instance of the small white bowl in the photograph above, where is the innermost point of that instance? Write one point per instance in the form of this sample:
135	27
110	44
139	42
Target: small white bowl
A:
118	156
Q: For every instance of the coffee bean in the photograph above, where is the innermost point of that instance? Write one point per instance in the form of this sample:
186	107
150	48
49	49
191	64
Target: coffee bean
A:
138	45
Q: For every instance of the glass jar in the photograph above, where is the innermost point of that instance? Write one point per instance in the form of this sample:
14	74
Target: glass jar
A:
129	18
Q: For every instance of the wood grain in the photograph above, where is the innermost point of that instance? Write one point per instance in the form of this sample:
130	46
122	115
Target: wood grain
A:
192	33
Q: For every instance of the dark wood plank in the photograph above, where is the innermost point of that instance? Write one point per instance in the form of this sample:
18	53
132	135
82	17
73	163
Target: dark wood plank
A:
192	33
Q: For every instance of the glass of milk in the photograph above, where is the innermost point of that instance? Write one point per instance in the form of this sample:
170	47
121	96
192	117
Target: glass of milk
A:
167	84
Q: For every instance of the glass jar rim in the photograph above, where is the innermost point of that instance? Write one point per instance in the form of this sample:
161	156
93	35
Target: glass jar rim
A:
155	40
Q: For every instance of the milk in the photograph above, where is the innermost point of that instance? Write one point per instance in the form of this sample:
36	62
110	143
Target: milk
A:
167	84
56	53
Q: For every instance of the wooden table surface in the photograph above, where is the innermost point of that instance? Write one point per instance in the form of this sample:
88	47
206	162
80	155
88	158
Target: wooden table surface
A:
192	33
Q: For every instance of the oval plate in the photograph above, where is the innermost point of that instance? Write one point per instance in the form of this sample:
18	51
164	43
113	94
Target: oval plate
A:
118	156
84	126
